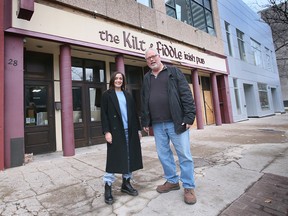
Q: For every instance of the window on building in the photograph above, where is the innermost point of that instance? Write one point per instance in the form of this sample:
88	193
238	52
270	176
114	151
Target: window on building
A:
263	96
267	59
240	39
36	101
237	97
228	37
87	70
272	61
147	3
197	13
256	50
171	9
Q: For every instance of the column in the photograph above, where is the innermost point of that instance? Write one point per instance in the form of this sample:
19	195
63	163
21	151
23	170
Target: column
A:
215	96
13	102
225	92
120	66
197	99
68	141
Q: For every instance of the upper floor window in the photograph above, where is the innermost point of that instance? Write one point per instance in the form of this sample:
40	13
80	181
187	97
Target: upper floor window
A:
267	59
171	9
228	37
256	50
240	39
197	13
147	3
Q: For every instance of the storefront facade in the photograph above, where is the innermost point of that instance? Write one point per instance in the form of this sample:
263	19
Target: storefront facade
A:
59	57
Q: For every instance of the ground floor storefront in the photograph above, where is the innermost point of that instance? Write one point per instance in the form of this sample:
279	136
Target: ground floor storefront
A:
54	103
54	79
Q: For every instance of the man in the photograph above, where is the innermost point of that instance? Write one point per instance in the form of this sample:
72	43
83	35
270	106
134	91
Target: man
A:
168	106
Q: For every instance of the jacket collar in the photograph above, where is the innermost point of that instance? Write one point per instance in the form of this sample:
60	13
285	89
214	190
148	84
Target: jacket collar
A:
114	99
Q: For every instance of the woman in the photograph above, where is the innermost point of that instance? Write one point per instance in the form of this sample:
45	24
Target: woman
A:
120	124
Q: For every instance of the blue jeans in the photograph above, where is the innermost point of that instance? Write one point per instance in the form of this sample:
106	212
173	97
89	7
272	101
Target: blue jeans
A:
164	133
110	178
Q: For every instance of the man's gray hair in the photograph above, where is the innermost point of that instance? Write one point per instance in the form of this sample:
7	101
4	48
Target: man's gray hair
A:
151	49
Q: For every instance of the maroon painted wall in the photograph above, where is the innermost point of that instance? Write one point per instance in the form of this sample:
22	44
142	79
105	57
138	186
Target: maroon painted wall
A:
13	87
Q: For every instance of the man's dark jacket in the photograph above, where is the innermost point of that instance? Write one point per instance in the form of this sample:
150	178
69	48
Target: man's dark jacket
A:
181	101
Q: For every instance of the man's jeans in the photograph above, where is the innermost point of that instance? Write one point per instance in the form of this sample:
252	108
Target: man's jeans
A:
163	133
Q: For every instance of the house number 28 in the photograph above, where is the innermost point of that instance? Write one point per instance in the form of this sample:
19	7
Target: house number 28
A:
13	62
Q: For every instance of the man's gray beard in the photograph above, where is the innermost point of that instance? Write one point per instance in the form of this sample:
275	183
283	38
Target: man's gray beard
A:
153	67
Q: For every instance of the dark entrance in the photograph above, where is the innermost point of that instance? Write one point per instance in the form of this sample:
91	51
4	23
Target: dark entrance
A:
88	85
39	103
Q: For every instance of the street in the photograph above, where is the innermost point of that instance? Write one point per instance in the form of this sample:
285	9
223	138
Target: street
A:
240	169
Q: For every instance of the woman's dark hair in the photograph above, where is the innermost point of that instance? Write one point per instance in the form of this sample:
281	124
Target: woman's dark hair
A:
112	79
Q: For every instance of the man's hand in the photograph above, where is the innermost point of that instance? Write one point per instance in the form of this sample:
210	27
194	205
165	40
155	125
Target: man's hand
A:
146	129
187	126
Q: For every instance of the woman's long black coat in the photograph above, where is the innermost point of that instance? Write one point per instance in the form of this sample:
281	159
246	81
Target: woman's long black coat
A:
117	154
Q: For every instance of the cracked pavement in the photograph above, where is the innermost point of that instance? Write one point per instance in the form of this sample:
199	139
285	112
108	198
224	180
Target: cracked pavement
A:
228	160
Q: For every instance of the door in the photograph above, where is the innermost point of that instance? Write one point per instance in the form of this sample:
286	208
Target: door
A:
250	104
275	103
87	114
38	107
39	118
207	100
87	88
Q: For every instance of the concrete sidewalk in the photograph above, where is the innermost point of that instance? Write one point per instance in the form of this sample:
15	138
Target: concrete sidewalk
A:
232	163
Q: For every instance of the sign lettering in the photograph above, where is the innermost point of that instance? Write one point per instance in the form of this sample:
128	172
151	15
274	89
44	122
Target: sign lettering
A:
134	43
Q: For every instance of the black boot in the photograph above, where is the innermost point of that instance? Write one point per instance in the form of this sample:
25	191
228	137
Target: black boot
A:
127	187
108	194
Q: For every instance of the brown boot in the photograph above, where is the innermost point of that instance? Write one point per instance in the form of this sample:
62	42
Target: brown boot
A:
189	196
167	186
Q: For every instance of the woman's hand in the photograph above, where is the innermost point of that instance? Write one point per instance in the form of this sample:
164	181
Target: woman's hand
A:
108	137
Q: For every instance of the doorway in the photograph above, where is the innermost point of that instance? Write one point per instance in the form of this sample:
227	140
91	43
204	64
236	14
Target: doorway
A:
274	100
39	111
207	100
88	86
250	104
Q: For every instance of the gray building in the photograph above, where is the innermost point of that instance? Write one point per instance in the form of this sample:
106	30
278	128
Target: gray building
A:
255	88
278	21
